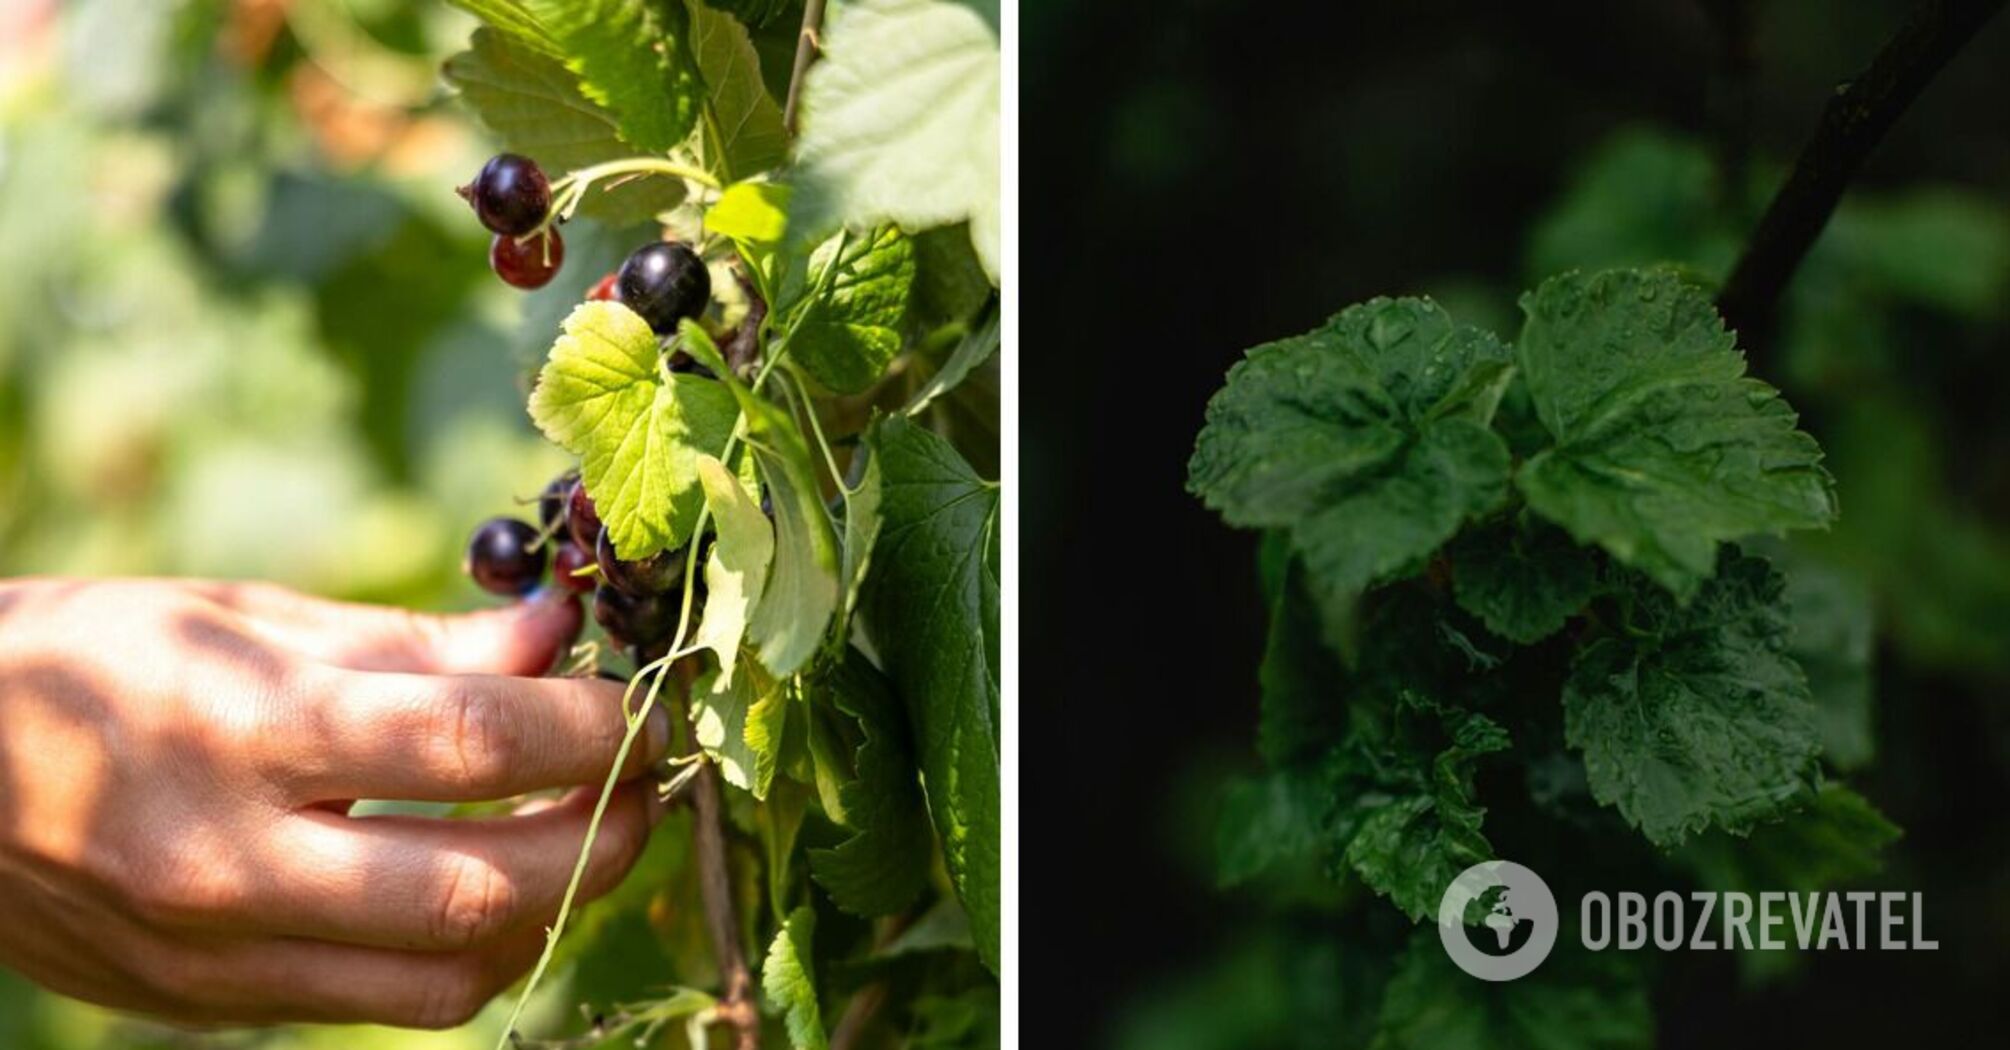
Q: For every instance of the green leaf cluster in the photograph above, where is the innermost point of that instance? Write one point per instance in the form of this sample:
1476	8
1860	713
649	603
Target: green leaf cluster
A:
1528	577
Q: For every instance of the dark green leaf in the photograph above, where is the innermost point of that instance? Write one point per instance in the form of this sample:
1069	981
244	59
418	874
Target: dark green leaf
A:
930	606
1408	846
1523	582
884	864
1303	686
1367	438
533	103
1695	716
512	17
1836	839
628	61
850	327
1664	448
742	125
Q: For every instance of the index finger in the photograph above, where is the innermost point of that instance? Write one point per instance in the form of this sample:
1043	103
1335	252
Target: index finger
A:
460	738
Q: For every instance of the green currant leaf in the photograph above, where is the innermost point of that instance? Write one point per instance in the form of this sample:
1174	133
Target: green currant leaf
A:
626	56
849	329
949	282
1394	803
975	348
755	217
1368	439
759	13
751	214
513	18
1578	1000
534	105
801	592
862	523
1695	716
1409	845
737	722
1522	582
883	866
742	125
767	734
780	822
930	606
737	566
788	980
1838	838
1302	684
900	123
1664	448
637	429
802	588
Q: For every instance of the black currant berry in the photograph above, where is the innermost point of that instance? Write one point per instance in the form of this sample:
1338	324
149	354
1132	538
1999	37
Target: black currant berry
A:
685	363
566	566
603	290
528	264
655	574
503	556
582	518
634	620
551	502
664	282
510	196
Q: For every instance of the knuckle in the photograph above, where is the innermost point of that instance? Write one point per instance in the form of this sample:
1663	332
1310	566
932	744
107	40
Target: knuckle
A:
479	903
450	998
185	978
477	740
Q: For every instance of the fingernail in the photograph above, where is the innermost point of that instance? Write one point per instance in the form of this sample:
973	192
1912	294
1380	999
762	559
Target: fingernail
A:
657	743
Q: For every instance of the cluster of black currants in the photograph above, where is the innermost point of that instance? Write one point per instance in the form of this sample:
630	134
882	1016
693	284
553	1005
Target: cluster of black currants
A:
511	196
663	281
636	602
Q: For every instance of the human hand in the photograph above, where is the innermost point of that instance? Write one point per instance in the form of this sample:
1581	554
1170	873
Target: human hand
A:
176	762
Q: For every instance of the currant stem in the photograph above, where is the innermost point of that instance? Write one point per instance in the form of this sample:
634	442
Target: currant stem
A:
587	176
807	46
1851	126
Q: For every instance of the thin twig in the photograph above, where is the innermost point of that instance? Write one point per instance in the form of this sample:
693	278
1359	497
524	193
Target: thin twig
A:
858	1014
715	886
807	46
865	1003
1852	125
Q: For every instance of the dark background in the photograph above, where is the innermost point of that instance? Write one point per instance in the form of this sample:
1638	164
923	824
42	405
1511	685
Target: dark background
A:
1202	176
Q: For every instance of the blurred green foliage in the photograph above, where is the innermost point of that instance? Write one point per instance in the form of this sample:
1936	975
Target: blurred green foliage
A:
247	331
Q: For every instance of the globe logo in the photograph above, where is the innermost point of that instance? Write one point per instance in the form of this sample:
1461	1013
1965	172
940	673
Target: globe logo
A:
1497	920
